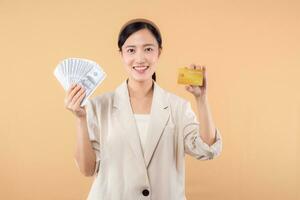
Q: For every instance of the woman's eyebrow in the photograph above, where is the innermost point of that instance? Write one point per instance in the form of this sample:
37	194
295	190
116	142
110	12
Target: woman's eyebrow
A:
143	45
148	45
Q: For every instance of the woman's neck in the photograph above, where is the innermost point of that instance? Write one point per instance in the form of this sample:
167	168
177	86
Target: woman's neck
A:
140	90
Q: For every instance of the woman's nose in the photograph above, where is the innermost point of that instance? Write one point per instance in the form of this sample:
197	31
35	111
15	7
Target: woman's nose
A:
140	57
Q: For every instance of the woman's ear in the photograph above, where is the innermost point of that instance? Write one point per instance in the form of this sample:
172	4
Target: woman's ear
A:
159	52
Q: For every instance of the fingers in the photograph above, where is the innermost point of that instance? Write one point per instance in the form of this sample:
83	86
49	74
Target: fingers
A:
79	98
194	66
201	67
189	88
71	88
71	92
74	92
198	67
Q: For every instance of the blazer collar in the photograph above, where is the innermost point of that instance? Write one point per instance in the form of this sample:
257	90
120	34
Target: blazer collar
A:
158	119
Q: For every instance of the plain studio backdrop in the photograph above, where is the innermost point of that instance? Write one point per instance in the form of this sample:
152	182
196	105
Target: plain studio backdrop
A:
252	53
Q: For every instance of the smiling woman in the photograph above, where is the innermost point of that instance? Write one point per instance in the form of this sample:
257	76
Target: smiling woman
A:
140	44
133	140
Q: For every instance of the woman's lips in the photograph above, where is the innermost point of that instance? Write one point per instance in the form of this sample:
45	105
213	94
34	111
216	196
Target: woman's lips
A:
140	69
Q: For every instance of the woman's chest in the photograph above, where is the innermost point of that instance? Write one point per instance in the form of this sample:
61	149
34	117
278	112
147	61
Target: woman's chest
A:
141	106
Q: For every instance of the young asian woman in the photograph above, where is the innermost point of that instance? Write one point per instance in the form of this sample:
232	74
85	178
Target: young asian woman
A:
133	140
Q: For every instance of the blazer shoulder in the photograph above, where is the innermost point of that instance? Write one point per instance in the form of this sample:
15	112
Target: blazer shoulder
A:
175	100
103	99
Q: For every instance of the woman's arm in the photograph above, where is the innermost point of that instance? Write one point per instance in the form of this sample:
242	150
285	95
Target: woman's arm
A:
85	156
207	127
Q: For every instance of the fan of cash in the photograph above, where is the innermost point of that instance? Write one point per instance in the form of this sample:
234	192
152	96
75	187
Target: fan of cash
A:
80	71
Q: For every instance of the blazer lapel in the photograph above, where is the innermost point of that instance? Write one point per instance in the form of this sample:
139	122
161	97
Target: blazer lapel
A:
128	126
158	118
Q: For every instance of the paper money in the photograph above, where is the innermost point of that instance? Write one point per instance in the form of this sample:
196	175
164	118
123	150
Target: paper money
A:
190	76
80	71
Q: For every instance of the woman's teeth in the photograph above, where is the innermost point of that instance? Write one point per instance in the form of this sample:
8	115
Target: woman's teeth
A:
141	69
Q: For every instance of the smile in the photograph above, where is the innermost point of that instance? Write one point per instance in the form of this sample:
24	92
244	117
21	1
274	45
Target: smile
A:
141	69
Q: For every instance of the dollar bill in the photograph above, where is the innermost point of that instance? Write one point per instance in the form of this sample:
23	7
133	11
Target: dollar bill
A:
80	71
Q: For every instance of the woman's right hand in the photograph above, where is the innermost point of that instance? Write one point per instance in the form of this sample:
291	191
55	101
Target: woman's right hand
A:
74	96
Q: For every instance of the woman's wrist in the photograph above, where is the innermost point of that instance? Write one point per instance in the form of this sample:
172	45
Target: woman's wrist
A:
201	99
81	119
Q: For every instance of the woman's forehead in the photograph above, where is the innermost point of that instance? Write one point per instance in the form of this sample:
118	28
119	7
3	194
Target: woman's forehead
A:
142	37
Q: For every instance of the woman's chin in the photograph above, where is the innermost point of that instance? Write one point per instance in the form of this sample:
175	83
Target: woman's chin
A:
141	78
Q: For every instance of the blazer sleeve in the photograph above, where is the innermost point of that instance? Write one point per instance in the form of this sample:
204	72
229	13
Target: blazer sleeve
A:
93	125
193	144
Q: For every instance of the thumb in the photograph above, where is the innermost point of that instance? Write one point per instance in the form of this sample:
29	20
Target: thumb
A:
189	88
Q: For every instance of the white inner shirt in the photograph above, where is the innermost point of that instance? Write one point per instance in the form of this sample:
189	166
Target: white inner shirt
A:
142	122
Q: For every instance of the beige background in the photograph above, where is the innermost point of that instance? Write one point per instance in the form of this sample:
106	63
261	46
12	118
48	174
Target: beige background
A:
251	50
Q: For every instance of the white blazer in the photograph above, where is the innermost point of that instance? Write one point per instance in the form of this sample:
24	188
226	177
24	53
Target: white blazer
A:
123	171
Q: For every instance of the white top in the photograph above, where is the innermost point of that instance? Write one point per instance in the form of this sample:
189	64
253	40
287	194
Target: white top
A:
142	121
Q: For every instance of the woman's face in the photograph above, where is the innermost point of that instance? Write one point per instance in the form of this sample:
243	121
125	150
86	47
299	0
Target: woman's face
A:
140	54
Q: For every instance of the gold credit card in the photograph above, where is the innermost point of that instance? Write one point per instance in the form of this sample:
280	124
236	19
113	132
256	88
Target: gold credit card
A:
190	76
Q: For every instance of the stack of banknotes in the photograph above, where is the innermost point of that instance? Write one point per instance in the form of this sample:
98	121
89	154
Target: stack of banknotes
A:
84	72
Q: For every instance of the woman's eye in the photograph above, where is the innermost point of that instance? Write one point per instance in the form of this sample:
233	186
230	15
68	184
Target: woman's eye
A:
130	50
149	49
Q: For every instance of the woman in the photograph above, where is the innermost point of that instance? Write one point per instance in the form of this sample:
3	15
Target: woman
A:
134	140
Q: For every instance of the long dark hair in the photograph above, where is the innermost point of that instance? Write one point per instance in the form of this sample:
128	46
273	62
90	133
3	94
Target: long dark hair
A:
135	25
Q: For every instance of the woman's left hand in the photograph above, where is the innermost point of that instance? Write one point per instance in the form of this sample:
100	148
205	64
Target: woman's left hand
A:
198	91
